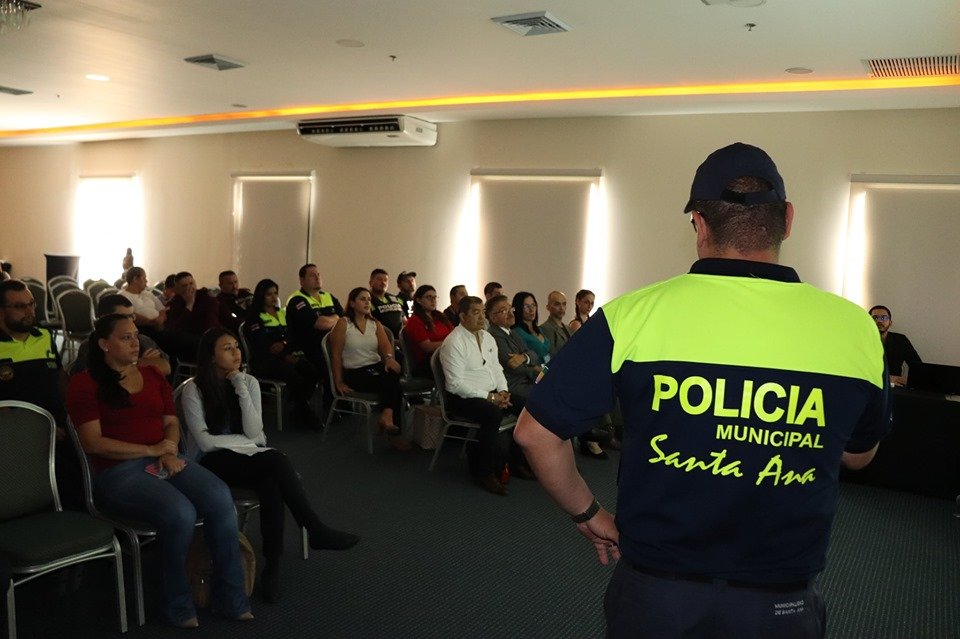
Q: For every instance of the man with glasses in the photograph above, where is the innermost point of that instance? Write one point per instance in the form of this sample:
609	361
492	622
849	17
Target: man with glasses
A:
737	420
150	353
897	349
30	371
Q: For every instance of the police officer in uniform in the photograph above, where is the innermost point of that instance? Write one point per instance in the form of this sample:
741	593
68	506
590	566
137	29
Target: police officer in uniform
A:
743	391
311	314
30	371
388	309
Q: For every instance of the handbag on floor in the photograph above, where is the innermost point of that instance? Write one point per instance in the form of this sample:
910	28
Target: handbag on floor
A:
200	567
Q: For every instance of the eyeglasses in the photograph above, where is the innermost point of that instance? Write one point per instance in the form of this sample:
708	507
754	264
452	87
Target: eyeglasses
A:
22	306
529	307
502	311
880	318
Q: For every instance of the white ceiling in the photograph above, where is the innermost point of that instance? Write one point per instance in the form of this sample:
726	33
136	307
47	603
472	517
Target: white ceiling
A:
451	48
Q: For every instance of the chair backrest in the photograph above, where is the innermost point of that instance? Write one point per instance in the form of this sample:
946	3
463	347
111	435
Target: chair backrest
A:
405	351
26	460
96	287
440	382
85	472
244	347
325	349
184	432
107	290
39	293
56	279
76	311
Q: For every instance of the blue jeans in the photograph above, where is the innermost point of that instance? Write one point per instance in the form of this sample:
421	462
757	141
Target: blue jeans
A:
172	506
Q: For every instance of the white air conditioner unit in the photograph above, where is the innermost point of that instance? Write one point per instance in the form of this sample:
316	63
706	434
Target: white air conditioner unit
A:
379	130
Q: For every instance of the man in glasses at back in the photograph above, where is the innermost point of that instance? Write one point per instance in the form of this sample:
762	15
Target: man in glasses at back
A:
897	349
30	371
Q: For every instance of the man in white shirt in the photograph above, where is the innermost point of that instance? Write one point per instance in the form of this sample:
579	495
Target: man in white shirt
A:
150	313
477	390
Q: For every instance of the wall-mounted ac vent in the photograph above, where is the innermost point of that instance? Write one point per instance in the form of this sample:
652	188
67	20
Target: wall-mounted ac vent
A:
214	61
380	130
913	67
13	91
531	24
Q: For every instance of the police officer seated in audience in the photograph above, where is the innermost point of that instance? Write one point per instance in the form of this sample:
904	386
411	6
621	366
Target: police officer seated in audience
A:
388	309
232	300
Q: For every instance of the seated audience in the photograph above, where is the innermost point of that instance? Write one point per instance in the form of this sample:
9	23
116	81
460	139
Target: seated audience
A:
232	301
362	360
272	357
30	371
457	293
520	362
150	314
526	317
190	313
553	328
897	349
311	314
388	309
169	288
492	289
127	423
407	284
425	330
477	391
582	306
150	353
222	408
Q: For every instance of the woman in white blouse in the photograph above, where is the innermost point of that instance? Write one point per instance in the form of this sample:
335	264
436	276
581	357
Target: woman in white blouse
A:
222	410
361	356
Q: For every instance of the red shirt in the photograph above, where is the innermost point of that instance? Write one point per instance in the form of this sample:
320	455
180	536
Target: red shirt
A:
416	332
139	423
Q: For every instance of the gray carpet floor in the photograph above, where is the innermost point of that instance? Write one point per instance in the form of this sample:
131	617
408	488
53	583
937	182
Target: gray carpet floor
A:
440	558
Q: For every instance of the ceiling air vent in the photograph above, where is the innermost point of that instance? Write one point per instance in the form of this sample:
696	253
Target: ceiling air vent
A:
913	67
531	24
214	61
13	91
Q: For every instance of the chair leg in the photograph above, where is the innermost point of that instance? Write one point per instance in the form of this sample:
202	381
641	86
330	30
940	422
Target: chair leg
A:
137	575
279	395
11	612
436	452
305	543
121	591
368	424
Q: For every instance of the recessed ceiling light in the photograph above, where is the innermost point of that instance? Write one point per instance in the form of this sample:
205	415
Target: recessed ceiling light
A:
237	105
96	77
799	70
352	44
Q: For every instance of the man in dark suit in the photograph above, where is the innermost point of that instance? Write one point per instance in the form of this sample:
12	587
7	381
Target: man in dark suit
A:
520	363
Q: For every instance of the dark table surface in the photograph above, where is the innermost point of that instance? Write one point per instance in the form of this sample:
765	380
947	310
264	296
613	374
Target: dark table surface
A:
922	452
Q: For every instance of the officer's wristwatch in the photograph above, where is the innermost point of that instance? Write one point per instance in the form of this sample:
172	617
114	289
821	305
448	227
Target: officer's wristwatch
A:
588	514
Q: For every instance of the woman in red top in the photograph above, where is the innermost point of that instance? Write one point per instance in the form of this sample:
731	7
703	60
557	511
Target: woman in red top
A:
425	331
127	423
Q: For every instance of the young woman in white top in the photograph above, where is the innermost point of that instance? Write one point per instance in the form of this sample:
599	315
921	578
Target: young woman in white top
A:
361	356
222	410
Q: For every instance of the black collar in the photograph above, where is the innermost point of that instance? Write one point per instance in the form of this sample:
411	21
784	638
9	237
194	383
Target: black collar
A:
744	268
34	331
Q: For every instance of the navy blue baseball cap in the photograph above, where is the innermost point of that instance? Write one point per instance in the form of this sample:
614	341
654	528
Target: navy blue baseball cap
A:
726	165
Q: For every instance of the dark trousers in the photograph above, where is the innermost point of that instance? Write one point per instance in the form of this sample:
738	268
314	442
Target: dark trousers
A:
486	456
640	606
374	379
301	377
271	475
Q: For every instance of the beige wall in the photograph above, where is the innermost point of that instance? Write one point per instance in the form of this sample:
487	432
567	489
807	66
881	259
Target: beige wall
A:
398	208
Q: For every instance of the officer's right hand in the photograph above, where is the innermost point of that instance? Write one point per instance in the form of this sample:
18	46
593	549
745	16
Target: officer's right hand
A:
601	530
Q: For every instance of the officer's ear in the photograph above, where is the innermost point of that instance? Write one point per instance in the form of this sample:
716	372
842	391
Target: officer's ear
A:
788	220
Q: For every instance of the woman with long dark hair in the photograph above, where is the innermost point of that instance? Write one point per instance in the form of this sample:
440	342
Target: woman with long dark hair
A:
527	320
582	307
127	422
361	358
265	331
222	409
425	330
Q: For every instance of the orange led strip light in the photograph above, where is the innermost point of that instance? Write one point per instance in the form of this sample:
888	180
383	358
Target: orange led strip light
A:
812	86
